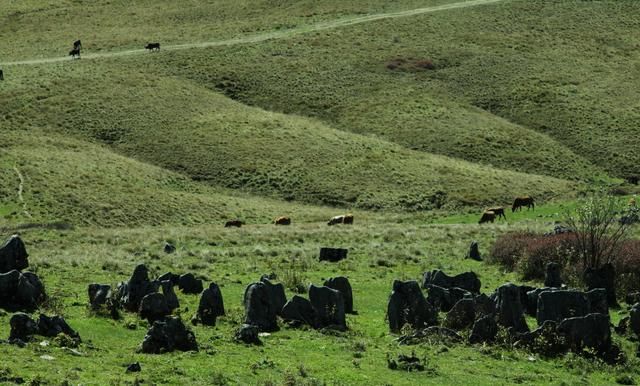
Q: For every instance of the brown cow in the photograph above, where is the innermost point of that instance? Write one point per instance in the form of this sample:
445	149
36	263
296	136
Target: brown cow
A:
348	219
519	202
73	53
487	216
498	210
233	223
282	220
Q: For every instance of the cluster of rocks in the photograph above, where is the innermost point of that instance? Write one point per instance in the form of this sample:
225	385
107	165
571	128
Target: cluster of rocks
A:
19	291
326	307
155	301
568	320
23	327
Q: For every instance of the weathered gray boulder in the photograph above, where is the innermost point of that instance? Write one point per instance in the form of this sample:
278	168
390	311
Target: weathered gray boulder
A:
623	326
154	307
276	294
634	319
532	299
632	298
248	334
603	277
467	280
189	284
552	276
299	311
474	252
169	295
590	331
561	304
259	310
342	284
98	295
130	293
442	299
407	305
167	335
13	255
333	254
211	305
22	327
484	329
328	305
462	315
54	325
20	291
509	309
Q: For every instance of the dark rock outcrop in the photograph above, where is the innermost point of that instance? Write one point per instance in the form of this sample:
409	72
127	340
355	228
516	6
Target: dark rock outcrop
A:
342	284
552	275
333	254
169	295
98	295
561	304
130	294
484	329
590	331
20	291
167	335
509	308
299	311
54	325
13	255
467	280
189	284
276	294
248	334
328	305
442	299
22	327
154	307
603	277
259	310
484	305
462	315
211	305
474	252
407	305
172	277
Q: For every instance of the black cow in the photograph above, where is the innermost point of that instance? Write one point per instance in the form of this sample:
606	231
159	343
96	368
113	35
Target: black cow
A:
153	46
77	45
74	52
1	75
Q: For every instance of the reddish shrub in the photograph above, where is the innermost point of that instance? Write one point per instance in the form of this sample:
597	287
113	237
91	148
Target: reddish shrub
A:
508	248
628	267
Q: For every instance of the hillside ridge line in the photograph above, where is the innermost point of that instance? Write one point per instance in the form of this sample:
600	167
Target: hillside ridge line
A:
270	35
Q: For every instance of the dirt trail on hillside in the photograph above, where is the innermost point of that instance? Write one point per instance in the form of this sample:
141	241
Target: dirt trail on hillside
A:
20	190
271	35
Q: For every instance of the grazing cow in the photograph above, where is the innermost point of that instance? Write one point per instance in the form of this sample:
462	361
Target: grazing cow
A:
153	46
348	219
282	220
1	75
487	216
499	211
233	223
519	202
73	53
77	45
336	220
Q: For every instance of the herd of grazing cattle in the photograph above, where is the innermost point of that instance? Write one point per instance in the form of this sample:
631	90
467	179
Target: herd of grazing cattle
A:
491	214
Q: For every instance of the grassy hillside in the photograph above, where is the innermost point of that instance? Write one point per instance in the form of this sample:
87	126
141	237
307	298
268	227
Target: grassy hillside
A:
79	183
182	126
379	253
570	102
48	27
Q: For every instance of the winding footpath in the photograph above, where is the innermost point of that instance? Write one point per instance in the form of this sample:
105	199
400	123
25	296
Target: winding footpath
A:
20	190
271	35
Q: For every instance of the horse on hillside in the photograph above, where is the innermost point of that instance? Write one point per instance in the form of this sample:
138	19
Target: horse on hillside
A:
519	202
